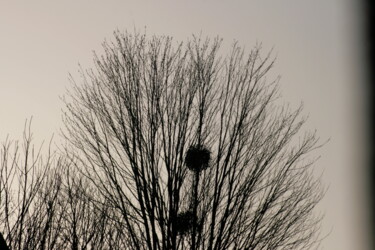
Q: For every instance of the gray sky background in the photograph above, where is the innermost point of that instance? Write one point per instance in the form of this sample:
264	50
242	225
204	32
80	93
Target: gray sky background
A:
318	47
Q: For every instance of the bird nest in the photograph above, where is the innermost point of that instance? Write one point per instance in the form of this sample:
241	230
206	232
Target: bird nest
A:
184	222
197	158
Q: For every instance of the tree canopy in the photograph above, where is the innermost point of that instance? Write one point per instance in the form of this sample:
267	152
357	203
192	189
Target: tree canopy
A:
172	146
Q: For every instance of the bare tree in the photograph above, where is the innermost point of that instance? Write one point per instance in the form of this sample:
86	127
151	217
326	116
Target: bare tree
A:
23	170
185	149
44	204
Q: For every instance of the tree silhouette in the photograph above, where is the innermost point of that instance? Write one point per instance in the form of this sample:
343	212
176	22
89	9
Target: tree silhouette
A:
25	213
184	148
43	202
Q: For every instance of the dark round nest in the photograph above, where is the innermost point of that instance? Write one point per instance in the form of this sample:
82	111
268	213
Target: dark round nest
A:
197	158
184	222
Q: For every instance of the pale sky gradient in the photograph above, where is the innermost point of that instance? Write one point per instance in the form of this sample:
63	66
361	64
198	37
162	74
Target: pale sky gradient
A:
318	47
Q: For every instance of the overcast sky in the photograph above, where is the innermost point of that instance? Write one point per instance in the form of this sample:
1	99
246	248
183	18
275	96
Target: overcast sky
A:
317	44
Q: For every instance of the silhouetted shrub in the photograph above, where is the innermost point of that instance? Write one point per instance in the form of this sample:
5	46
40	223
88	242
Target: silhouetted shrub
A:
197	158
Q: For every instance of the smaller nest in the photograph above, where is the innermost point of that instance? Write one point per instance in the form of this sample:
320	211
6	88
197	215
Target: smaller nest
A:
197	158
184	222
